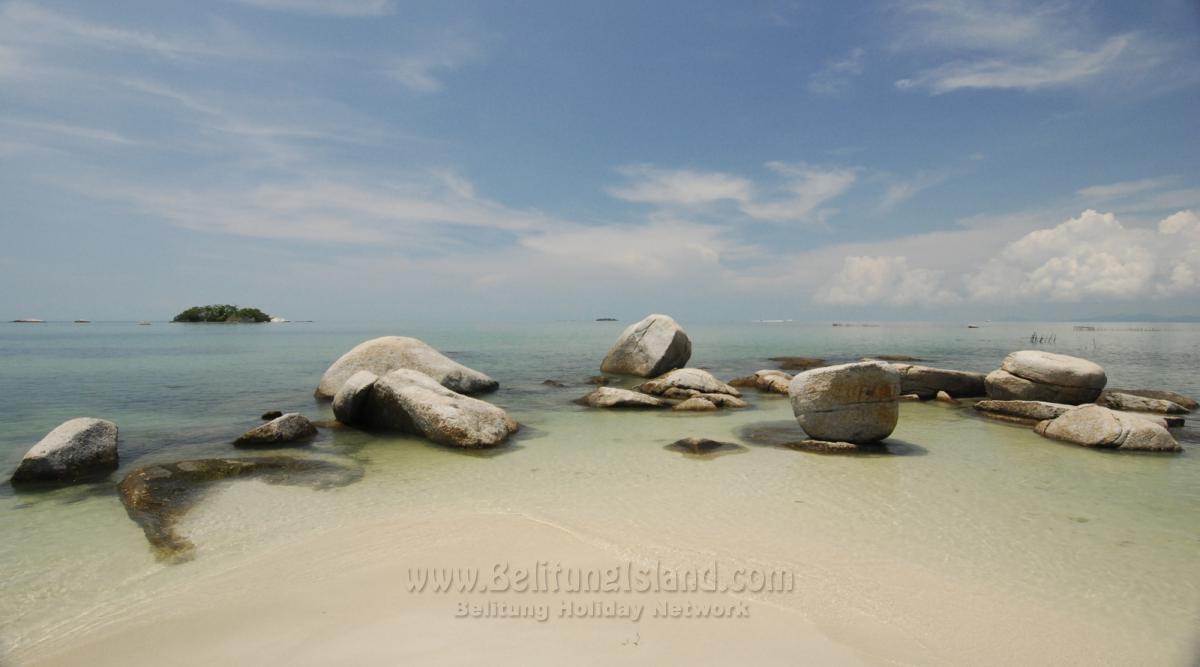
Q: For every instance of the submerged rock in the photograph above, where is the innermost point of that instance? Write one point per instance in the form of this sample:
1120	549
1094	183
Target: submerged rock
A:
75	450
926	382
412	402
383	355
608	397
351	400
553	383
1179	399
1033	375
156	497
693	380
703	446
1117	400
854	403
798	363
649	348
290	428
1097	426
1029	412
695	404
600	380
836	447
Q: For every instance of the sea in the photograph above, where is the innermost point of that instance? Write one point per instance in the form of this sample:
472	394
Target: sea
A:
1010	530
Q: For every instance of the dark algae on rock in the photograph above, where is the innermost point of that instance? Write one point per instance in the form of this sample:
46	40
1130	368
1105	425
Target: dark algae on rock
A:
158	496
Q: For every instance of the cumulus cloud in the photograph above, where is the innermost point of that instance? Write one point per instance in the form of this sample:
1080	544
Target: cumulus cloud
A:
1093	256
797	193
884	280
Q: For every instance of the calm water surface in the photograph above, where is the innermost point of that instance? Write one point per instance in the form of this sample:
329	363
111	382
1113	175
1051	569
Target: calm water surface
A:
1023	523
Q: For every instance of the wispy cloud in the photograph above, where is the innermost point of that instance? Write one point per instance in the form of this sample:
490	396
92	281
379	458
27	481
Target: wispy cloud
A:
796	193
68	130
903	190
325	7
835	76
423	71
1123	189
1016	45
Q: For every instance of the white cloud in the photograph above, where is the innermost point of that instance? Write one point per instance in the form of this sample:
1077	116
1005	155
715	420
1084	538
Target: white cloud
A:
901	191
797	193
325	7
1122	189
67	130
40	30
835	76
1089	257
679	187
1018	46
661	249
885	280
422	72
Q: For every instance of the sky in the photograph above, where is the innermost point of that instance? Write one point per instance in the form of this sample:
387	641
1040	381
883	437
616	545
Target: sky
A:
387	160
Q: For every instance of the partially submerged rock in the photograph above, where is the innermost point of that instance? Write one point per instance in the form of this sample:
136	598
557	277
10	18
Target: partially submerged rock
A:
695	404
290	428
926	382
649	348
689	380
836	447
1097	426
798	363
1034	375
854	403
1029	412
271	414
553	383
383	355
703	446
75	450
723	400
771	380
1175	397
158	496
1117	400
351	400
412	402
609	397
943	397
891	357
600	380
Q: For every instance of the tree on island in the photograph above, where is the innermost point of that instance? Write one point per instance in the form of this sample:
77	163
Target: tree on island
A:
222	313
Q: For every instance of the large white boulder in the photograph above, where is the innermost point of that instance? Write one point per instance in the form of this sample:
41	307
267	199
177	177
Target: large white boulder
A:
383	355
857	403
649	348
611	397
688	379
351	400
1096	426
412	402
1034	375
76	449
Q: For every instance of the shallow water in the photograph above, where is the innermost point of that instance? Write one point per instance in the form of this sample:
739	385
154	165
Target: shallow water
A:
967	524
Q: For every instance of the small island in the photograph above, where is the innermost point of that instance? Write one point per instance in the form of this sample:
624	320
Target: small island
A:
225	314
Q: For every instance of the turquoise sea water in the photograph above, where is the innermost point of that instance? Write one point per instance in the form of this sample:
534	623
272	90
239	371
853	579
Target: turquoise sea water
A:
988	507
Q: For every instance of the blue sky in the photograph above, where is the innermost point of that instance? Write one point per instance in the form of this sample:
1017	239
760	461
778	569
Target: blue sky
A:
371	159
